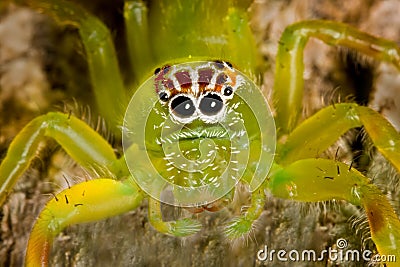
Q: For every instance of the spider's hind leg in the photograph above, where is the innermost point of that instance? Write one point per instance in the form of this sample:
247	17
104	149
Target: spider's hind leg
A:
288	93
107	82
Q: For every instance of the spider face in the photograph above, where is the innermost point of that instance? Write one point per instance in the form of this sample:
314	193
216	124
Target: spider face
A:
201	122
199	92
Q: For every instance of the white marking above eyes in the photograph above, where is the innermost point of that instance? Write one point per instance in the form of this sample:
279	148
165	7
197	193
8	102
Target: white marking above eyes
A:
196	91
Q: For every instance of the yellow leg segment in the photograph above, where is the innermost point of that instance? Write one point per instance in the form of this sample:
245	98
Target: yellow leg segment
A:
312	180
80	141
89	201
324	128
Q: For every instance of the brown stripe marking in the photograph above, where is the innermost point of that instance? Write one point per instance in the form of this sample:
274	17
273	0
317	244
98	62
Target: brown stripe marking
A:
221	78
205	76
184	79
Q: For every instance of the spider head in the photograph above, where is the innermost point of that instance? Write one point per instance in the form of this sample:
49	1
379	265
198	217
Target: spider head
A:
193	131
197	93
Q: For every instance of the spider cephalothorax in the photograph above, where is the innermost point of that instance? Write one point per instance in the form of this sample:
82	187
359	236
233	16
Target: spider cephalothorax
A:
201	123
200	92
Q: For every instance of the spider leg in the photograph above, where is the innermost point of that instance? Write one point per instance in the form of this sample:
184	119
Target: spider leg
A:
85	202
335	180
288	93
232	40
242	225
321	130
102	61
183	227
138	39
79	140
309	139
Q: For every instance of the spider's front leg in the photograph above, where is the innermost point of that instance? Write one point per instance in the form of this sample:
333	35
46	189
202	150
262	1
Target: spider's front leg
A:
80	141
331	179
318	133
85	202
335	180
88	201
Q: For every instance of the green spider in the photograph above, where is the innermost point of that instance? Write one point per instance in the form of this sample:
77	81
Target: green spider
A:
149	131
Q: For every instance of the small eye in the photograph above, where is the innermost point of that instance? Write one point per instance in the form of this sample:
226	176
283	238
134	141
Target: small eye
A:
183	106
219	64
228	91
211	104
164	70
156	71
229	64
163	96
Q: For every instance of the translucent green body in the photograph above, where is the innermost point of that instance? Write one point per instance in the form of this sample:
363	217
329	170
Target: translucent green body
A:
200	162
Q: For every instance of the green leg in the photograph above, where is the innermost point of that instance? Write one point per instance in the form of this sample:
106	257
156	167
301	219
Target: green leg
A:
183	227
202	30
80	141
288	93
85	202
242	225
241	40
103	66
312	180
137	35
325	127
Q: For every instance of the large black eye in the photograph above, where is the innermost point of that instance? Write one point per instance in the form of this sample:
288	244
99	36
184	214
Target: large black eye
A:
211	104
183	106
